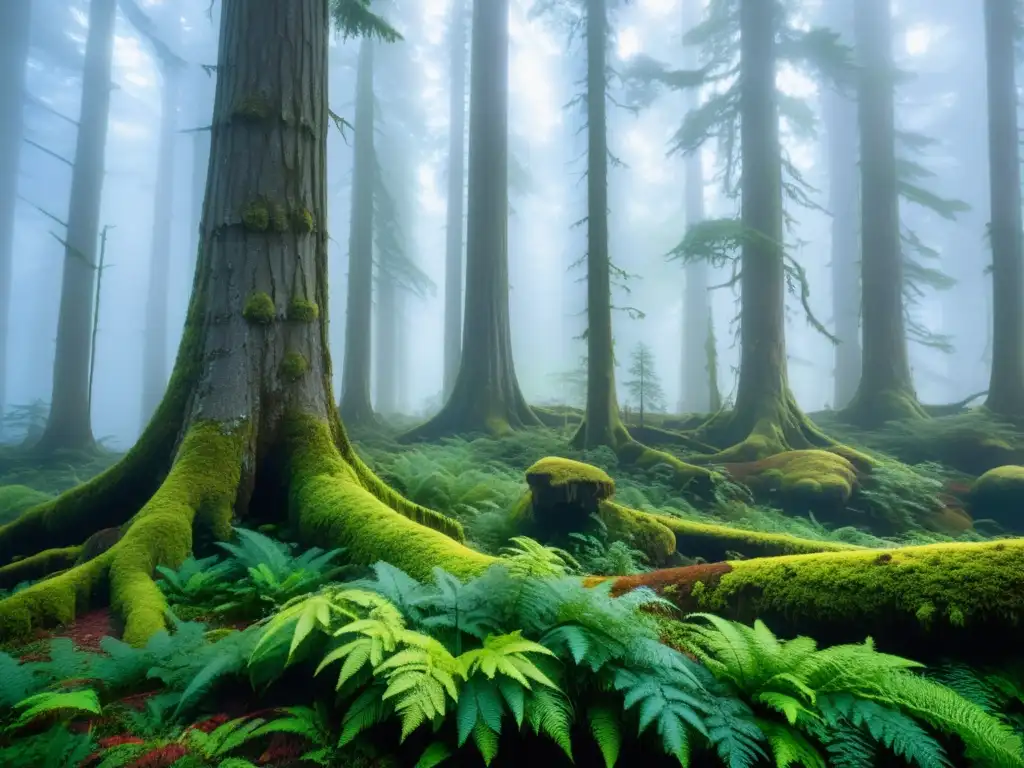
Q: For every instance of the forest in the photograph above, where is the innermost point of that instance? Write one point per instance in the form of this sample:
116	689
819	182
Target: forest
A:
679	414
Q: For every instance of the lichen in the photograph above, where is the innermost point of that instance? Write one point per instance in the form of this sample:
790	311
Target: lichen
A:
303	311
259	308
256	216
303	221
294	366
331	504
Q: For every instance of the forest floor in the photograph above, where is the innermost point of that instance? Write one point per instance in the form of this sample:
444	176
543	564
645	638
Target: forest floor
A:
156	707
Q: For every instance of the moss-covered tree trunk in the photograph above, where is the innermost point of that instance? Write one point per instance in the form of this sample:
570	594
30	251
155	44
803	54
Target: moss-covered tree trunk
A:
70	423
766	418
456	223
840	115
356	408
886	390
248	426
486	395
696	381
1006	385
154	356
15	24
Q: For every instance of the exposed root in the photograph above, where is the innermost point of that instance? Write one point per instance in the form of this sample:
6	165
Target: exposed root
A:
38	566
335	499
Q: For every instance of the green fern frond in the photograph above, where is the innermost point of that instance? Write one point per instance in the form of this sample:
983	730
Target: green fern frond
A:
19	680
434	755
64	703
367	710
789	747
479	701
486	740
506	655
550	713
667	701
529	558
606	729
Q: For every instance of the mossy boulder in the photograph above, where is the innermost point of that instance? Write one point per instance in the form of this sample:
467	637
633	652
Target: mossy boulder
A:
15	499
807	479
999	495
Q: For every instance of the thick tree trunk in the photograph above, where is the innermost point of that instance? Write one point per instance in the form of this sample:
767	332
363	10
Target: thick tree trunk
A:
70	422
1006	386
15	23
486	395
886	389
154	355
249	403
456	223
385	356
356	408
840	114
695	382
202	84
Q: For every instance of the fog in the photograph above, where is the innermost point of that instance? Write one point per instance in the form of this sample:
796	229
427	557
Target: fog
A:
944	99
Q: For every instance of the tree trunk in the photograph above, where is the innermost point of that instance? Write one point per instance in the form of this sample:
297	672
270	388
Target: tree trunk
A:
766	418
15	23
200	158
356	408
70	422
486	395
456	193
154	356
385	357
249	405
1006	386
840	113
695	390
886	389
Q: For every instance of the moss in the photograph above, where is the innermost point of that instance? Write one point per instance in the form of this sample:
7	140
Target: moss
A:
256	216
294	366
999	495
303	221
279	218
15	499
332	504
259	308
643	532
686	477
200	490
808	477
303	311
38	565
252	108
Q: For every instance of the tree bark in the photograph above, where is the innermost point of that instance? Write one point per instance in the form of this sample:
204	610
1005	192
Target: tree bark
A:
356	408
154	355
886	389
1006	385
486	395
249	406
385	356
15	23
840	114
70	422
456	223
696	379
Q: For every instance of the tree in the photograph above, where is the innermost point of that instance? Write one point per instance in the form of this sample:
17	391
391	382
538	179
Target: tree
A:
486	395
696	396
356	408
15	25
645	387
248	424
70	423
456	193
886	390
1006	385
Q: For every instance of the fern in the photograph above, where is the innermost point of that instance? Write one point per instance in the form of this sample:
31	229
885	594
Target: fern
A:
607	732
550	713
63	704
668	701
506	655
419	677
789	747
434	755
19	680
529	558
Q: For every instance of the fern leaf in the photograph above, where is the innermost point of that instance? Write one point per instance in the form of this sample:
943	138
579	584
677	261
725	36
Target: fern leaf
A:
434	755
604	726
789	747
550	713
505	654
479	701
19	681
366	711
486	741
81	702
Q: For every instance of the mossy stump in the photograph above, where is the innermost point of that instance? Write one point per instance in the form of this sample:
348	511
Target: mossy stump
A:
563	496
999	495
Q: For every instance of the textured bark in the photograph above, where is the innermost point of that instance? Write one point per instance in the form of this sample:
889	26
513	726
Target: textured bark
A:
602	424
486	395
15	23
840	113
695	377
70	422
202	85
886	389
454	237
356	408
1006	386
385	356
154	355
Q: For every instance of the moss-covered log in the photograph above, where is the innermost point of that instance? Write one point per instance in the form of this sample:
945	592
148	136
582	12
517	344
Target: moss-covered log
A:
960	598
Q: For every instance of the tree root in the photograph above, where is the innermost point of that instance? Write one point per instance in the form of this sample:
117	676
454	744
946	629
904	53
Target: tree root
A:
38	566
871	411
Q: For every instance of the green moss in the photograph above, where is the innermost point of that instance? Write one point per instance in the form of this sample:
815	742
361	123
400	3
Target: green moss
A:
557	472
643	532
303	221
252	108
303	311
38	565
256	216
200	490
999	495
259	308
805	476
294	366
279	218
331	504
15	499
